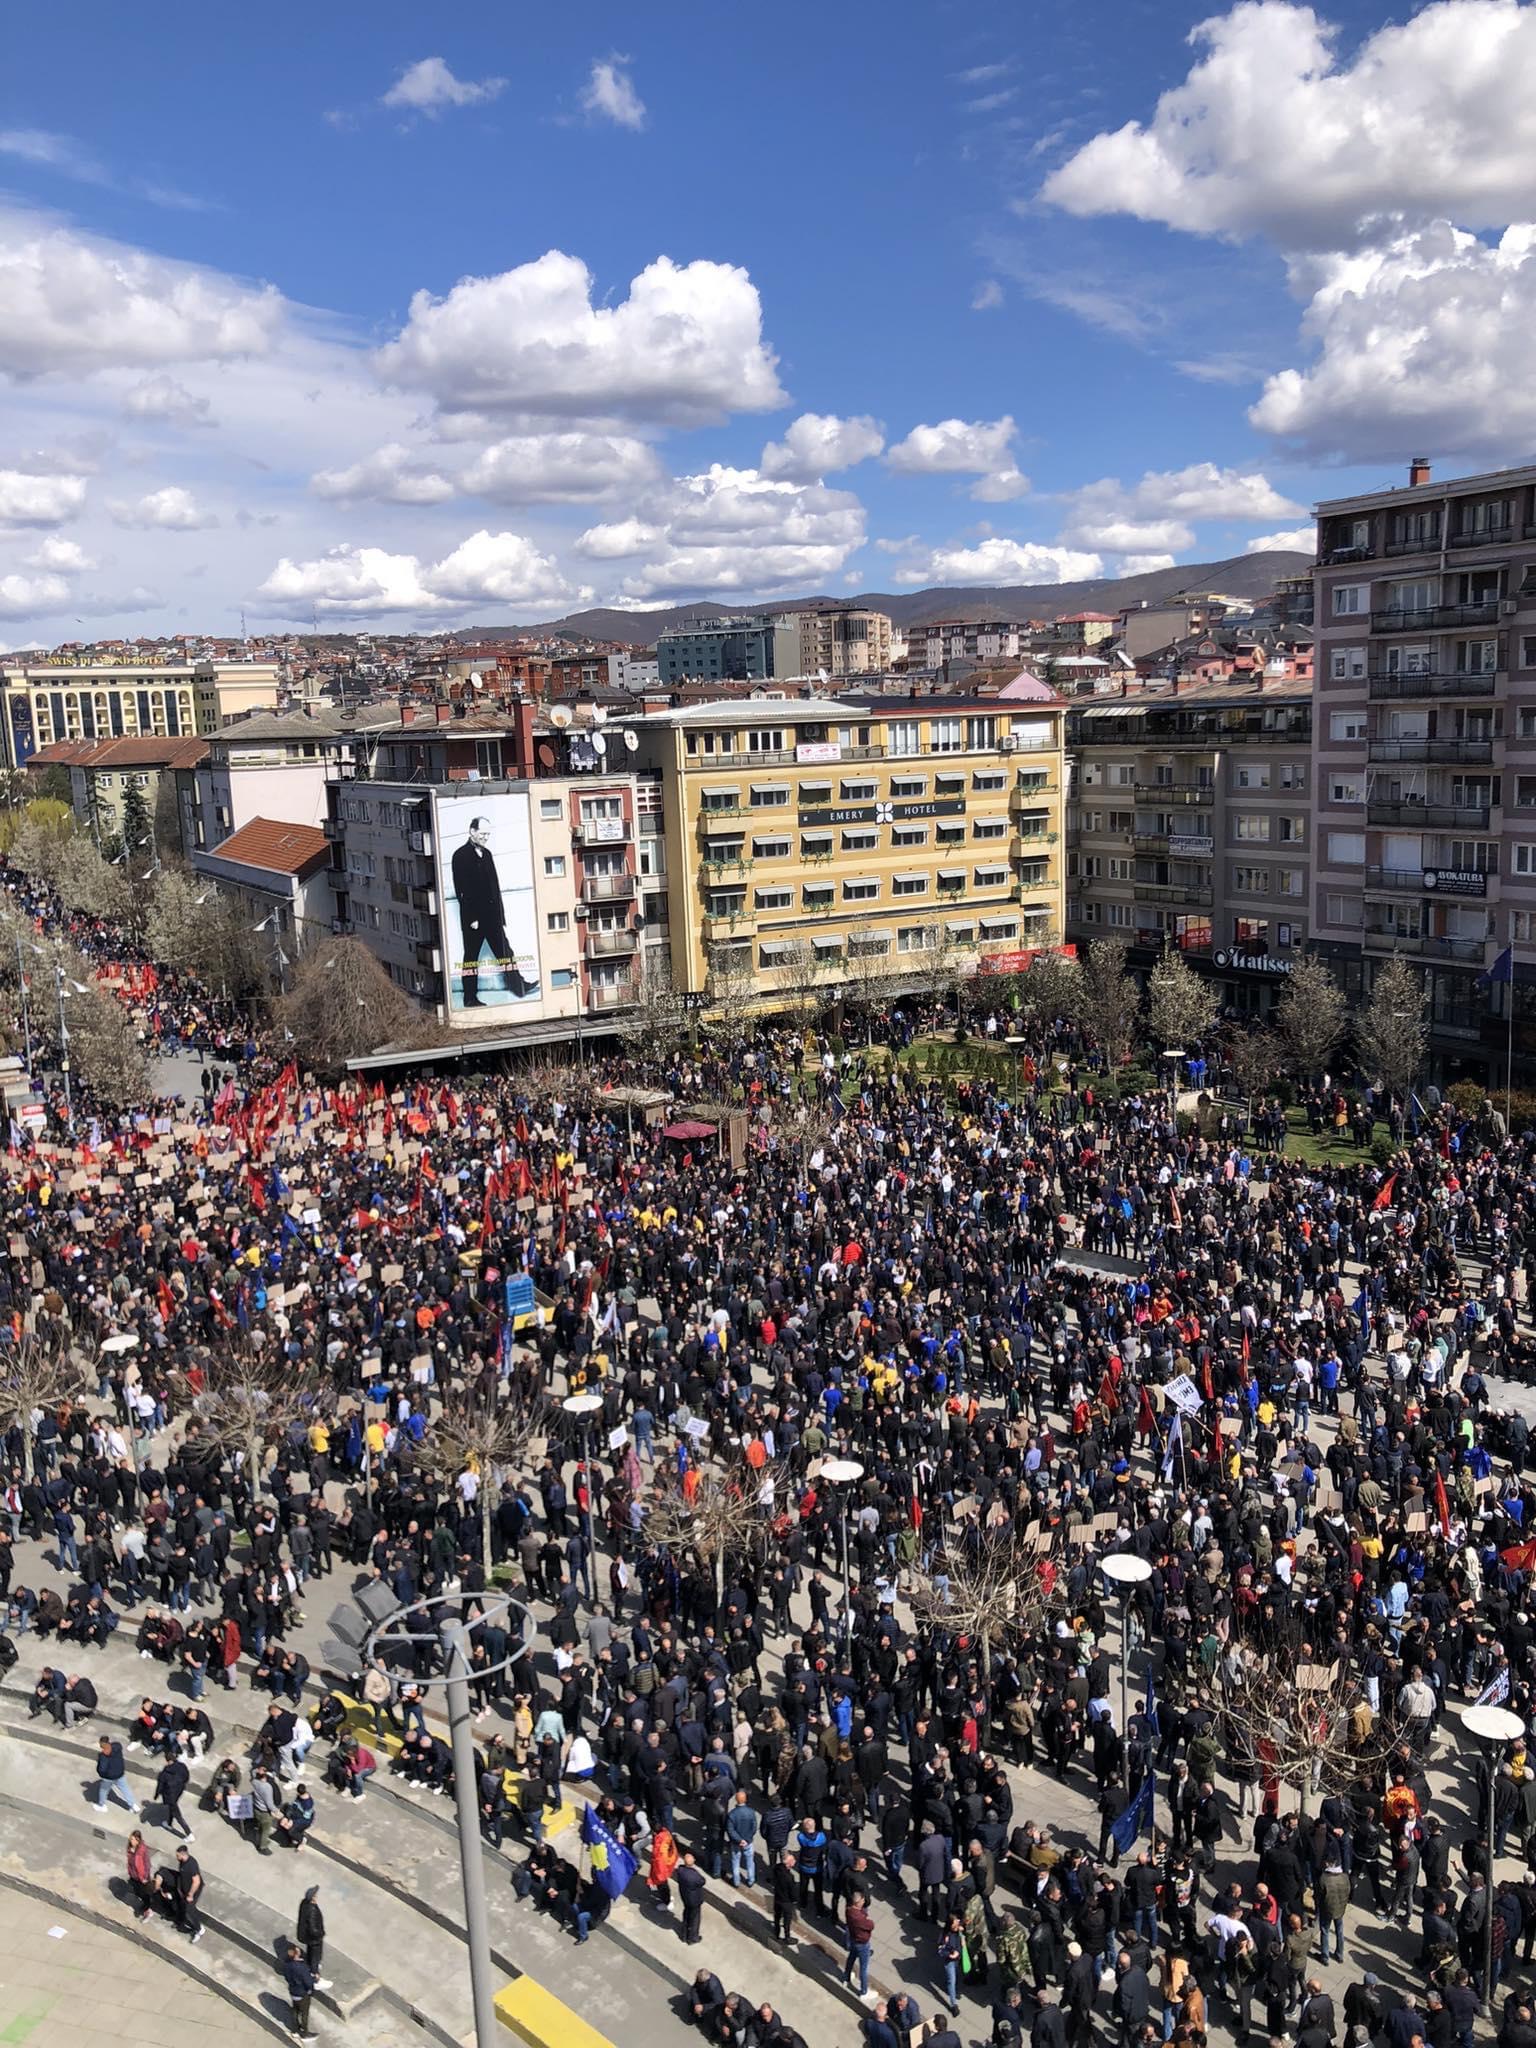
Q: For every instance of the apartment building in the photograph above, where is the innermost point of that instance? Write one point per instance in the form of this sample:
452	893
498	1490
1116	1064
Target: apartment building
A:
1425	748
1189	827
941	641
75	698
506	870
844	640
272	765
747	649
101	776
811	842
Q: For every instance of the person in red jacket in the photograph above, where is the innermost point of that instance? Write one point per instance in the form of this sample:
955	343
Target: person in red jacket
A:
861	1937
141	1874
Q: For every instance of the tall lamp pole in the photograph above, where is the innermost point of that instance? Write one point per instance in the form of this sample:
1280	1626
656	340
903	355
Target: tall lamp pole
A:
843	1473
1490	1728
1173	1055
584	1407
26	1015
1127	1572
69	1097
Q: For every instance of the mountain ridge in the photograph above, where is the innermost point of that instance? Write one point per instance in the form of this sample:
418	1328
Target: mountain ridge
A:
1253	576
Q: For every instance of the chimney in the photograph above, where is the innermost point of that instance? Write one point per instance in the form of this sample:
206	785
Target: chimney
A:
1418	472
444	712
523	747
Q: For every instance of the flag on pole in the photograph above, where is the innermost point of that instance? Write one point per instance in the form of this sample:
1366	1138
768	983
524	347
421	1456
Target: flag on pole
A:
1150	1714
1384	1196
1136	1817
612	1864
1502	970
1170	1449
1442	1506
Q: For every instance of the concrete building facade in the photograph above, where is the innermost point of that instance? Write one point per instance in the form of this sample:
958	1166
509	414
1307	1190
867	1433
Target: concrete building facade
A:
844	640
64	699
747	649
1189	828
1425	749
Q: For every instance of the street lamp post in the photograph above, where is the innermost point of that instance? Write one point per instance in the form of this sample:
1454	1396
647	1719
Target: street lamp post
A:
1490	1728
1173	1055
26	1015
1127	1572
1013	1041
584	1407
69	1098
843	1473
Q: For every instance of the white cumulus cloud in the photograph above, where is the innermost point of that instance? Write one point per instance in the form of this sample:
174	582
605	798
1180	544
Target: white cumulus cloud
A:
31	597
1302	539
1142	565
427	87
1152	516
164	398
172	509
685	347
75	303
34	499
609	93
997	560
818	443
617	539
393	474
560	469
980	448
365	582
1274	132
61	557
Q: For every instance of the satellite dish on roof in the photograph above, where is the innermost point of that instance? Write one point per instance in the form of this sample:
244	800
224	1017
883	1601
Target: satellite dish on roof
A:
632	741
476	680
546	756
599	715
600	741
559	716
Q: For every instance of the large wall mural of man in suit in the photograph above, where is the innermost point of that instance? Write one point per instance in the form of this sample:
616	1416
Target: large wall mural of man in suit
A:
487	856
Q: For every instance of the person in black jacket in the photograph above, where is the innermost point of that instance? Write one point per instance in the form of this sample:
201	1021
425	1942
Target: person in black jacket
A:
169	1787
690	1887
311	1932
300	1980
706	1995
786	1887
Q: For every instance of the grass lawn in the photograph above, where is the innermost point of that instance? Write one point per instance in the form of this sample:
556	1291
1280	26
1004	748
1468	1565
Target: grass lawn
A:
1329	1151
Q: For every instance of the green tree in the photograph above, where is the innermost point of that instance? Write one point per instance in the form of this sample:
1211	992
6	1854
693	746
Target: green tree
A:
1309	1017
1110	1003
137	829
106	1050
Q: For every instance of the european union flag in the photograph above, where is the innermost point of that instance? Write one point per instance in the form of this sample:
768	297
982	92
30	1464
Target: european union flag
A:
1137	1815
612	1864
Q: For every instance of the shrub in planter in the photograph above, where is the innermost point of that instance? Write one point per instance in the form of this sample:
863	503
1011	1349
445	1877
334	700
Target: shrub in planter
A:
1382	1149
1467	1098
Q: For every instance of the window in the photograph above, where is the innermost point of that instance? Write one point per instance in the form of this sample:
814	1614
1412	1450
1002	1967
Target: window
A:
774	899
1346	725
1292	829
1252	775
770	849
1290	775
856	792
721	800
1250	825
554	865
860	891
725	902
908	787
817	895
1344	789
764	739
815	793
562	977
904	736
990	779
1121	775
1291	882
1345	910
1346	664
1117	821
909	885
862	841
774	953
1477	657
949	785
962	934
558	921
951	880
550	808
488	758
1121	870
1250	881
1522	926
980	734
868	945
916	938
769	795
990	878
1346	849
1525	858
1121	914
1092	866
999	928
944	735
1350	599
1525	792
909	835
988	828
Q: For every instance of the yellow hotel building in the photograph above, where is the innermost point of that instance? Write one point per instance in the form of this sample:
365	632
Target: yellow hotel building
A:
45	702
814	840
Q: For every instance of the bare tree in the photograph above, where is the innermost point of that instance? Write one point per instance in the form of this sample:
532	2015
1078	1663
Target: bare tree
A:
178	916
800	976
1254	1058
479	1431
39	1369
106	1047
727	1513
988	1584
1109	1000
870	984
732	991
1182	1006
249	1394
1309	1017
657	1024
341	1004
1051	989
39	836
87	882
1390	1032
1304	1716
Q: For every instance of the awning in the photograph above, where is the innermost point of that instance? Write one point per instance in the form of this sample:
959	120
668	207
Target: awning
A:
689	1128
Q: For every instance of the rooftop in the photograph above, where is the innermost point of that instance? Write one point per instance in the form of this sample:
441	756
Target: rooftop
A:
183	752
281	849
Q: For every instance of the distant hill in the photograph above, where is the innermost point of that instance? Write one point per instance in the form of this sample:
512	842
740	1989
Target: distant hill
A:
1253	576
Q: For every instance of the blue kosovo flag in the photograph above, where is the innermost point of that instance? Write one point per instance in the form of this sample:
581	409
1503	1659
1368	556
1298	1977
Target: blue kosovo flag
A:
1136	1817
1502	970
612	1864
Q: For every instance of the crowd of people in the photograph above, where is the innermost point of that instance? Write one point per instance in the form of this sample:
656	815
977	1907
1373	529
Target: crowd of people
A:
1045	1327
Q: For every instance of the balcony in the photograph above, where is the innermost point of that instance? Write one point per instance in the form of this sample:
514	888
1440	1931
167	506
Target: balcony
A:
611	945
1422	945
1173	792
610	995
1380	938
728	924
1435	682
337	877
607	888
1331	557
1414	544
424	899
334	828
1450	752
1484	537
1033	874
601	832
1428	817
1023	846
1437	618
1396	881
721	818
1197	897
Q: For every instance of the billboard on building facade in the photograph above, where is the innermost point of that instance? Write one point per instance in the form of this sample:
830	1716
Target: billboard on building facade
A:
490	922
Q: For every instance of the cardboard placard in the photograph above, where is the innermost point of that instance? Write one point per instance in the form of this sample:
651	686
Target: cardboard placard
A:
391	1274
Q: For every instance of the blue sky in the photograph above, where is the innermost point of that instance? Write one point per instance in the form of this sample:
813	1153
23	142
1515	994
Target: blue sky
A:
812	299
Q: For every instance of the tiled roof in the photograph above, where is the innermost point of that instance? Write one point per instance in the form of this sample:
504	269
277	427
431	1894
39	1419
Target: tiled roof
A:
60	754
280	848
145	753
